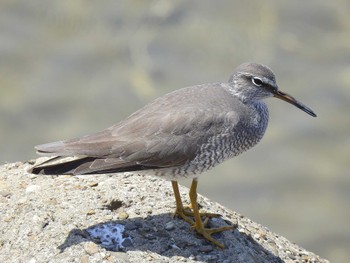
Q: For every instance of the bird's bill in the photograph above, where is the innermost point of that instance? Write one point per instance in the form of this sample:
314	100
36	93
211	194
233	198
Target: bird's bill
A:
288	98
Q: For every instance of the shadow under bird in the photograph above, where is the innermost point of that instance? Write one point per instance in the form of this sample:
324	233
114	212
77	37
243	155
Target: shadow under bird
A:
180	134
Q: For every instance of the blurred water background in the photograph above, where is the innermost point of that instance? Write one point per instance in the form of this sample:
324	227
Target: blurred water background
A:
68	68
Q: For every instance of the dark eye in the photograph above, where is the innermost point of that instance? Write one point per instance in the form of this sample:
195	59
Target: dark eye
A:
257	81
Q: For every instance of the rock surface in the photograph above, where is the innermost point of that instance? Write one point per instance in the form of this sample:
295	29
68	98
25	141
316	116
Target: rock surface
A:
120	218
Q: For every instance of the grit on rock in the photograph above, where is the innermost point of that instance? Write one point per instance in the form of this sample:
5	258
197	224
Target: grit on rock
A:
120	218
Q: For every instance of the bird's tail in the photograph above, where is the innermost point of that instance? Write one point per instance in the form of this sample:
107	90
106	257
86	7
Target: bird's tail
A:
87	165
53	166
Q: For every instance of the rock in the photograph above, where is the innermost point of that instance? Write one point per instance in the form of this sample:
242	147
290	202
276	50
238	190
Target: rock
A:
91	248
93	184
108	217
84	259
170	226
131	226
127	242
5	193
58	220
90	212
123	215
206	248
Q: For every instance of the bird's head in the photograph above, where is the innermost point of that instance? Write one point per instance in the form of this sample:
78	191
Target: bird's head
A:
252	81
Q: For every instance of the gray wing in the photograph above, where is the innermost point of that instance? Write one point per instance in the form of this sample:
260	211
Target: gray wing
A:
166	133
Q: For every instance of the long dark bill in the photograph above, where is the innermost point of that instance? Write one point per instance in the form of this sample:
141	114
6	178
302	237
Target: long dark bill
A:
288	98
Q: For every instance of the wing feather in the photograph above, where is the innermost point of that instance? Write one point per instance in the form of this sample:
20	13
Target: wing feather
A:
166	133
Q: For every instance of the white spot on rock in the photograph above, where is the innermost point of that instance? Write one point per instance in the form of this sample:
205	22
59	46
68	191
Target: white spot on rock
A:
32	188
110	235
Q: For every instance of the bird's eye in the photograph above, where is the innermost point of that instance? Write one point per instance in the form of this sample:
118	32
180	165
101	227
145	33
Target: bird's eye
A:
257	81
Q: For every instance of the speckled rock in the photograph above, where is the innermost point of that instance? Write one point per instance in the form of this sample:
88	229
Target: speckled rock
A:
70	218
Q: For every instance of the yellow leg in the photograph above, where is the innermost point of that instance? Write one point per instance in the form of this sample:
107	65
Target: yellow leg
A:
180	210
185	211
197	224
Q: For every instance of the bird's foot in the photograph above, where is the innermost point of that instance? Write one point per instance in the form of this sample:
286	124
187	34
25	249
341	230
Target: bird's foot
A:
189	212
207	232
186	213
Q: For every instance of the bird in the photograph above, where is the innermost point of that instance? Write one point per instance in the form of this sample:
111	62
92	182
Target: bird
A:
181	134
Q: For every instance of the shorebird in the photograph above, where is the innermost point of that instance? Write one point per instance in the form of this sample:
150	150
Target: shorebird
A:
182	134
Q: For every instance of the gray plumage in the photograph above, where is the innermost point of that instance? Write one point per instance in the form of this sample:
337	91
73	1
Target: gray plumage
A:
183	133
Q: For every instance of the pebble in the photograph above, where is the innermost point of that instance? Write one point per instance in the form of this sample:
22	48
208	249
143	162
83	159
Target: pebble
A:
146	229
162	233
123	215
170	226
121	256
84	259
256	236
3	200
90	212
131	226
7	219
32	176
93	184
5	193
32	188
127	242
150	237
206	248
91	248
111	259
108	217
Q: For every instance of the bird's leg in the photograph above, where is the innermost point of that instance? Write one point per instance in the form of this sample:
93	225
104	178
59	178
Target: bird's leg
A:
185	211
180	210
198	224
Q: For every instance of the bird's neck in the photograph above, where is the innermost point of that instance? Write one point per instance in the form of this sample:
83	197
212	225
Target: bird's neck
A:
261	115
257	105
243	94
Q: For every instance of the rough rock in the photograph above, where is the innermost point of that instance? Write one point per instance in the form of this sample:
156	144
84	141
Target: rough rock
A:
78	219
